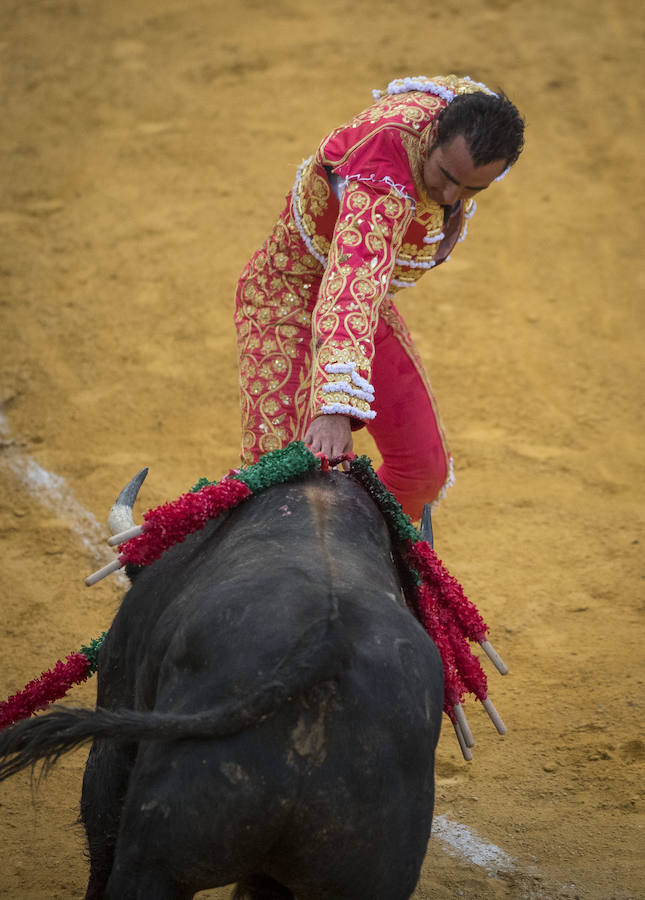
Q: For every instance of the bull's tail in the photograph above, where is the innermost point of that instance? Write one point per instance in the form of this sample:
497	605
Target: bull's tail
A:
48	737
317	658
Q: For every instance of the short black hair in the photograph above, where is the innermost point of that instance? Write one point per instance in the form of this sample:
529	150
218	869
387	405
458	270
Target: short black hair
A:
490	123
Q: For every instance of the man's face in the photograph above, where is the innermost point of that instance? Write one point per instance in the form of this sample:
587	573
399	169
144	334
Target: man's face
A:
449	173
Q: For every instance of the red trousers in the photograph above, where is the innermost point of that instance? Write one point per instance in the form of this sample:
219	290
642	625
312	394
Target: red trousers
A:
276	295
407	429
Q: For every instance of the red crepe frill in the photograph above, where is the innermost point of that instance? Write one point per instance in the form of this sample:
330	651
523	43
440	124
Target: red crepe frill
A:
448	616
449	593
472	674
49	686
452	621
454	688
171	523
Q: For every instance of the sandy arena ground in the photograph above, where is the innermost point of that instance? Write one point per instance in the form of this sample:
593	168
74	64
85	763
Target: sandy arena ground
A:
146	148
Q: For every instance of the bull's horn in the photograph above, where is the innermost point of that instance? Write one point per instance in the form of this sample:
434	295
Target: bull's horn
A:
426	525
120	518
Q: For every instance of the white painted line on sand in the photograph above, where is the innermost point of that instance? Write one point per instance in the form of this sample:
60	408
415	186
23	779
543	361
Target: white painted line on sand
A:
53	492
460	840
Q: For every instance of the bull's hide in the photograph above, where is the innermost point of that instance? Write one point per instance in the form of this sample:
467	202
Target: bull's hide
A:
268	711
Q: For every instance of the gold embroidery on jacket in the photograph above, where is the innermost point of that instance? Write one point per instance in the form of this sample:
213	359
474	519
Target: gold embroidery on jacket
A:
276	293
413	110
280	286
368	233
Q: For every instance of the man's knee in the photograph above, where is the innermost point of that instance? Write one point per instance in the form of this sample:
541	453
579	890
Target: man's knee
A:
422	480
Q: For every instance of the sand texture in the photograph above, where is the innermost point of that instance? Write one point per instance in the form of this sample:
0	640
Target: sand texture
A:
146	148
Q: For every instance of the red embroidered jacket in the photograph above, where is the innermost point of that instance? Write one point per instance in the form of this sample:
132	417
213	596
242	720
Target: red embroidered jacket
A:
382	235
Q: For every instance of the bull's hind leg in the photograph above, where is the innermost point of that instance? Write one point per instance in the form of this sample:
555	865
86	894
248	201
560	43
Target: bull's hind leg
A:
104	785
261	887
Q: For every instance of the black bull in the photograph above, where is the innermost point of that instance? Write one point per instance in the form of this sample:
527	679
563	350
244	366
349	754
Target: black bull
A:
268	711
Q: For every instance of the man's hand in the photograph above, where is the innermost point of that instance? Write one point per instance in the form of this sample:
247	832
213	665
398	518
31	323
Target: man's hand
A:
330	434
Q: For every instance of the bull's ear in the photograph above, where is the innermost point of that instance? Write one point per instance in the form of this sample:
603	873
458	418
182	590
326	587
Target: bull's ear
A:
426	525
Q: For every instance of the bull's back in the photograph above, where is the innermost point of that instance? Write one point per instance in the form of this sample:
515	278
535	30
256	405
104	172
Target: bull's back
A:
296	592
293	570
300	589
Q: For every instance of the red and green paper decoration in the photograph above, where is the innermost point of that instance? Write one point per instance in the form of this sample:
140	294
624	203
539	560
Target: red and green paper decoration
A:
450	619
52	684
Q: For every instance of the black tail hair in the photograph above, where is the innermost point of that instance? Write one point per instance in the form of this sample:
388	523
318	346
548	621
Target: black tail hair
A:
320	652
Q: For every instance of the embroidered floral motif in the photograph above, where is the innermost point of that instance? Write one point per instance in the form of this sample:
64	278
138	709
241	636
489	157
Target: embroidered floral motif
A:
311	297
276	294
406	113
368	233
423	238
309	200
